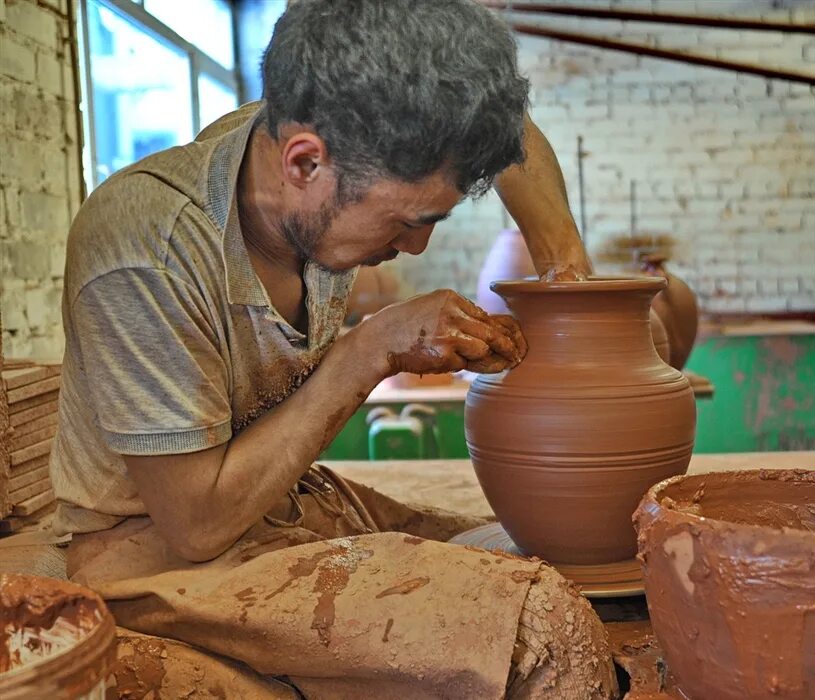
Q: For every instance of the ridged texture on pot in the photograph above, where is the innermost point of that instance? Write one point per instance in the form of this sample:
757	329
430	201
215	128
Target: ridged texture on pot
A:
566	444
507	259
729	567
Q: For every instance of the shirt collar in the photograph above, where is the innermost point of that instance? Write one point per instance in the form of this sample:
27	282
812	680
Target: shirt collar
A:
243	285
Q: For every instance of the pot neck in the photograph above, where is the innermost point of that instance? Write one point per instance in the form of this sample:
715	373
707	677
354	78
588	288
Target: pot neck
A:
612	327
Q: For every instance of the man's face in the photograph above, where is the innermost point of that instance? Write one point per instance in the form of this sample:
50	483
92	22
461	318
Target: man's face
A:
391	217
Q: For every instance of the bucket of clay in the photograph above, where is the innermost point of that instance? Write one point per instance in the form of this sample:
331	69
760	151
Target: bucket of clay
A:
728	561
57	640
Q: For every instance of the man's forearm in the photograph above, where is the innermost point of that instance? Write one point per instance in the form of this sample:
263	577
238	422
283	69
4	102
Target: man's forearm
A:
229	488
534	193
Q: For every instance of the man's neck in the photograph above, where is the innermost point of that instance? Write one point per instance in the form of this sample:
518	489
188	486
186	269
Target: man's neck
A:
260	205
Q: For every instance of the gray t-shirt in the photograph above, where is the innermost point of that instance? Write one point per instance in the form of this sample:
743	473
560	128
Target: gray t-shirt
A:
172	344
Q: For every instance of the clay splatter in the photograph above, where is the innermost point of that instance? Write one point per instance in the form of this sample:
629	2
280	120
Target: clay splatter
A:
332	579
406	587
388	626
141	673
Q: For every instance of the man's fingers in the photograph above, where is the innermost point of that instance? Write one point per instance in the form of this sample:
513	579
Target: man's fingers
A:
489	365
512	327
468	347
494	335
472	310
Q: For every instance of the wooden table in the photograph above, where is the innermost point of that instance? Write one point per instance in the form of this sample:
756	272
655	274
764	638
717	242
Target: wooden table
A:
451	483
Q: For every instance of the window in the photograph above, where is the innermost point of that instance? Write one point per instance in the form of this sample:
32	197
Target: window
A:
155	73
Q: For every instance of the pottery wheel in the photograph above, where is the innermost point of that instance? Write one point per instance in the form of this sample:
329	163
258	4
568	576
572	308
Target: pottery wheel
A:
621	578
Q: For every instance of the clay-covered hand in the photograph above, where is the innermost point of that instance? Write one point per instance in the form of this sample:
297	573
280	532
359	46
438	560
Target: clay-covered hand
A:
564	272
443	332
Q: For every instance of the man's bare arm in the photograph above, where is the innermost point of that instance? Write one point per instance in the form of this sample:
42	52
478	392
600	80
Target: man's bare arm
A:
204	501
534	193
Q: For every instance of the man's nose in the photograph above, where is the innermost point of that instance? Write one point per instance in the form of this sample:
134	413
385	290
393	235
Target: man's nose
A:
413	242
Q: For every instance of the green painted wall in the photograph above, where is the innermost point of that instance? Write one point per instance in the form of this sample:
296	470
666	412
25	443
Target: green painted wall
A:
764	396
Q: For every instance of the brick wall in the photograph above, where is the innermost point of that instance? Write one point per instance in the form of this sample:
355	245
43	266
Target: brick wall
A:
40	186
723	163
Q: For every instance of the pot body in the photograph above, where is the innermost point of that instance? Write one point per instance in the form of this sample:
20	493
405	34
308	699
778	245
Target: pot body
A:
677	309
728	561
566	444
508	259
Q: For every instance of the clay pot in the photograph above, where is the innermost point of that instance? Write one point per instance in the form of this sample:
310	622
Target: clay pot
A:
508	259
566	444
58	639
677	309
729	567
374	288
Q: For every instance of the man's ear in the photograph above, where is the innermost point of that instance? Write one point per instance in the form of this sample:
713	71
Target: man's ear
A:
304	159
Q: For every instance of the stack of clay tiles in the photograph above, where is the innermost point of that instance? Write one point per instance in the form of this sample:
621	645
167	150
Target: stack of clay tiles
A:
28	423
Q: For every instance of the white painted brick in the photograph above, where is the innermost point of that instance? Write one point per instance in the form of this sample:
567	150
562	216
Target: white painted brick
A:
724	305
16	60
789	287
49	73
801	302
37	312
33	22
766	304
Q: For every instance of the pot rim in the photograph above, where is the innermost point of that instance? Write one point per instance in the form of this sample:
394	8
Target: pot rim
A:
654	498
594	283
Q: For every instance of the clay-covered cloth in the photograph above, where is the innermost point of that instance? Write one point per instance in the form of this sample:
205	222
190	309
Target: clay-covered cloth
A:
325	596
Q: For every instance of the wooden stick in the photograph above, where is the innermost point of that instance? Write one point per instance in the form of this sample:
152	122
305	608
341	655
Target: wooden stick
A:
44	386
30	490
40	449
640	50
14	408
655	17
48	406
15	378
19	480
20	442
33	504
30	465
5	431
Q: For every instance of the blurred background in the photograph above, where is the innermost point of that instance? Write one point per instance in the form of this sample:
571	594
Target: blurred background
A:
711	169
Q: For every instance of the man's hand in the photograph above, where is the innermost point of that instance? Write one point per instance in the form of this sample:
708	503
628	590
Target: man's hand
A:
442	332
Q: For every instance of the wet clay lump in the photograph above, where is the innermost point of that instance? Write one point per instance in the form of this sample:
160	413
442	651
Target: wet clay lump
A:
729	567
565	445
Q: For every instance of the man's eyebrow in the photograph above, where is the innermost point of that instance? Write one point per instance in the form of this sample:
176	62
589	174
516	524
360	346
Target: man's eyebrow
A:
428	219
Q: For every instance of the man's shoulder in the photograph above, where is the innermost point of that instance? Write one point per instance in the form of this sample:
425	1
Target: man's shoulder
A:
129	222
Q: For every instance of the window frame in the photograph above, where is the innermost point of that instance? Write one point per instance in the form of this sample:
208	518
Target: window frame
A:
200	63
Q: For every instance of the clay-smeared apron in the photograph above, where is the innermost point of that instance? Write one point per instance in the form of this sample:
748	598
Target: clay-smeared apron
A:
341	590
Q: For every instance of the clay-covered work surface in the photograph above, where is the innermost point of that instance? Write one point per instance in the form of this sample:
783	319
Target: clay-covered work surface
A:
595	581
729	565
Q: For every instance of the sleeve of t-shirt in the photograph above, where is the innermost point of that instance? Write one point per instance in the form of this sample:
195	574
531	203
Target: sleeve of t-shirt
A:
152	358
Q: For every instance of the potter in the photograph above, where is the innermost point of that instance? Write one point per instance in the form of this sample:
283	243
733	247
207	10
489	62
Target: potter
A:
204	371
